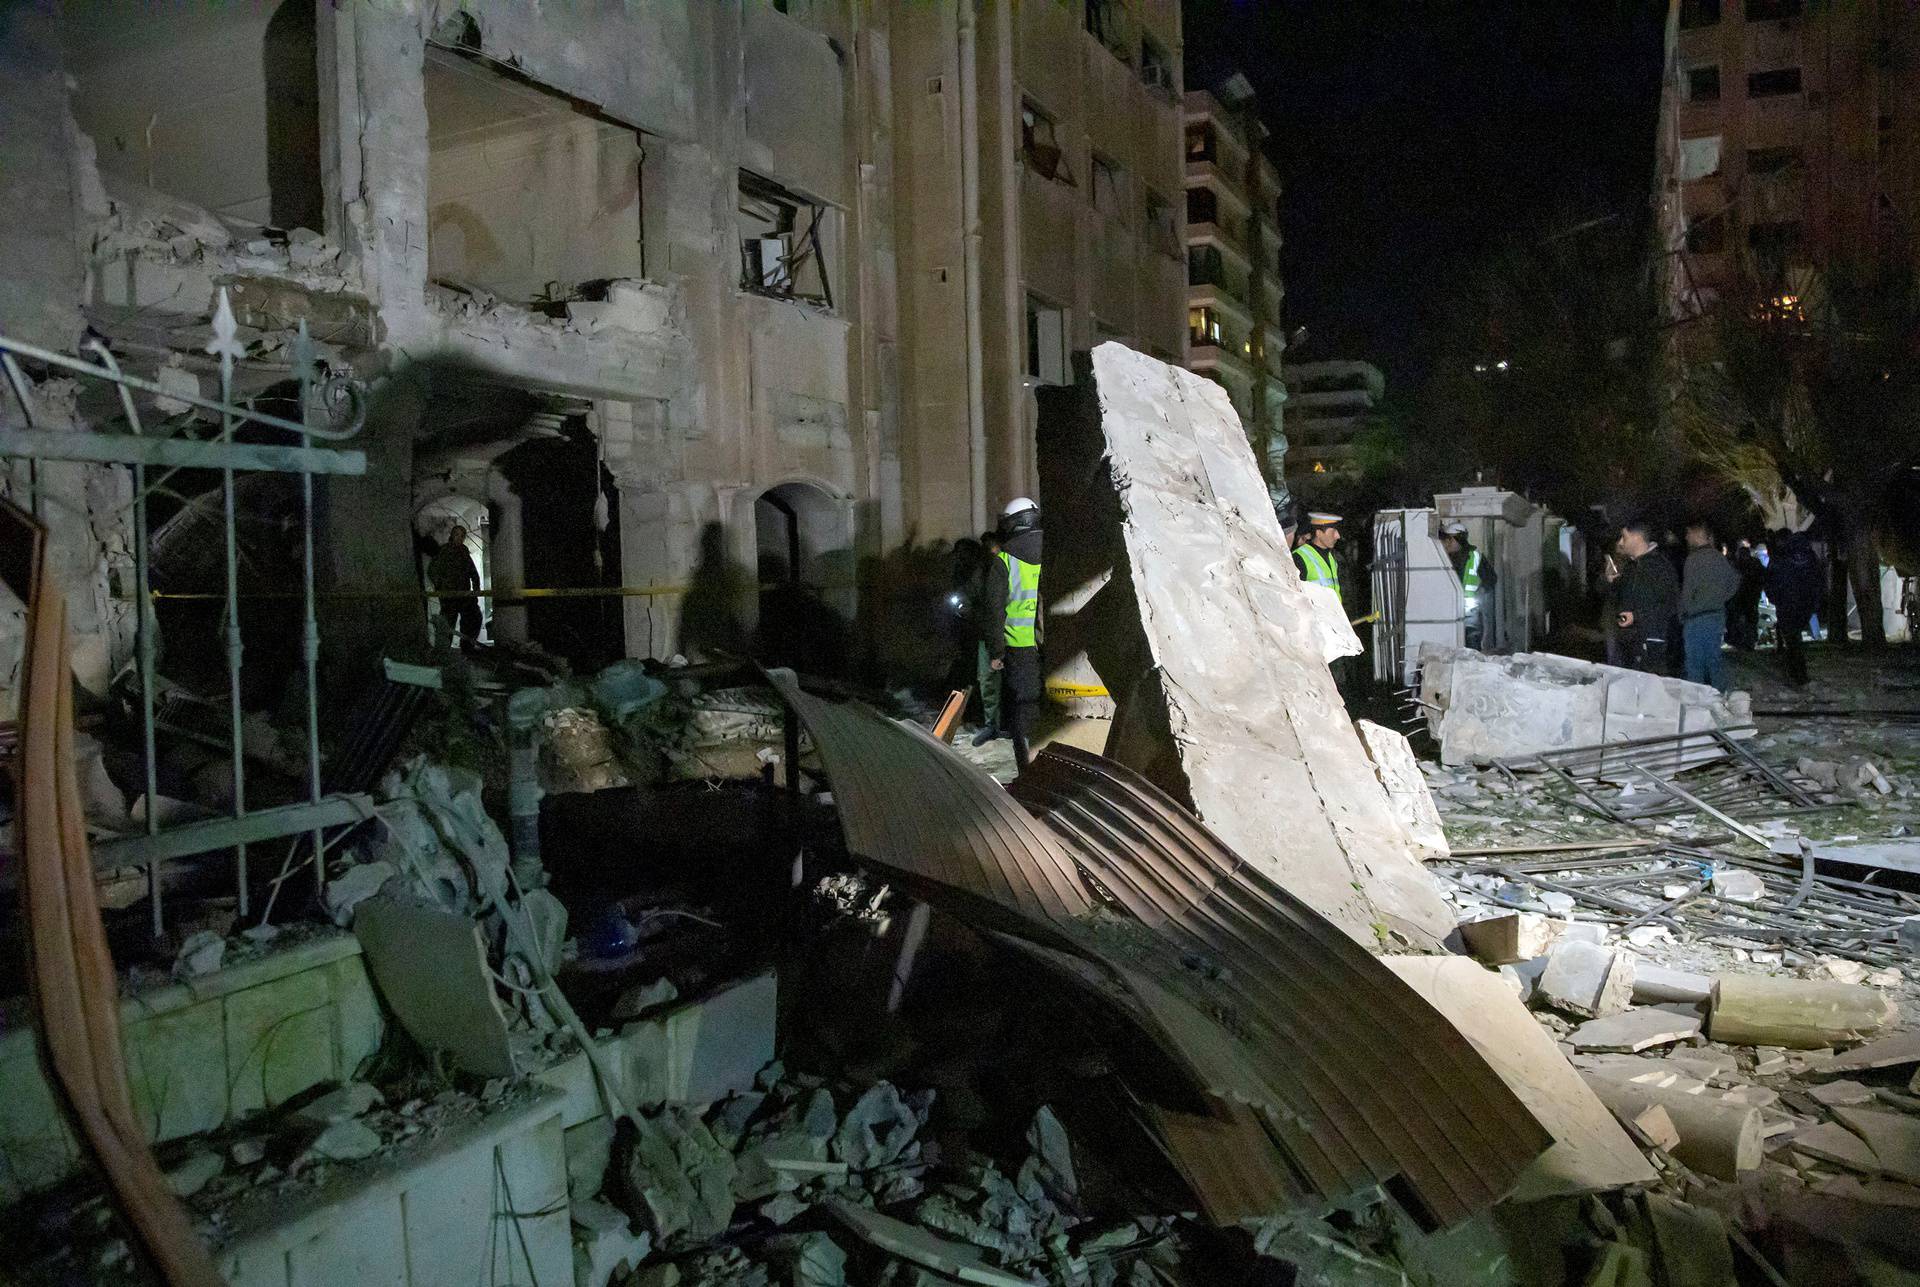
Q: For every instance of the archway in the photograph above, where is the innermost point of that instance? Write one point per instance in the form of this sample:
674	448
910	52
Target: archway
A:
803	538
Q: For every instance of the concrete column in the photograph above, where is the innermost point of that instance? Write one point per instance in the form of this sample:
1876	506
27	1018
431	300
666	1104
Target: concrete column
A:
507	558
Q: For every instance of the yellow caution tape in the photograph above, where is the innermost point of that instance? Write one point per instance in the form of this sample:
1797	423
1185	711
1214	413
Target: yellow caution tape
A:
1062	688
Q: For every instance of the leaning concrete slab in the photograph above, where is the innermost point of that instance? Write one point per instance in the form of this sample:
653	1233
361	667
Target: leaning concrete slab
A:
1212	649
1399	772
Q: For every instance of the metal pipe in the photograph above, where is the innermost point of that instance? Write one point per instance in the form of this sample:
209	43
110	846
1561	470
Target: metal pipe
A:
143	632
969	85
226	347
310	640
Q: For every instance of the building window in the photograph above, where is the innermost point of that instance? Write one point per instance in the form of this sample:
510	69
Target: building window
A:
1773	10
1707	236
1047	343
1156	67
1200	142
1202	206
1699	13
1205	266
1162	231
785	242
1105	20
1773	243
1203	327
1773	84
1040	143
1703	84
1771	160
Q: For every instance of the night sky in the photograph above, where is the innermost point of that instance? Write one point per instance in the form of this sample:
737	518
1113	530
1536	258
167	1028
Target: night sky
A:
1415	138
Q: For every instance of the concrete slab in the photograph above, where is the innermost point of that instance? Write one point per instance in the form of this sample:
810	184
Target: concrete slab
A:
1510	938
1587	979
1395	764
1213	649
1655	983
1893	1137
1888	1052
1831	1142
1590	1152
1634	1031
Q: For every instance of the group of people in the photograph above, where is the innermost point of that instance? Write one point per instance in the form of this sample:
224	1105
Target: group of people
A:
1666	621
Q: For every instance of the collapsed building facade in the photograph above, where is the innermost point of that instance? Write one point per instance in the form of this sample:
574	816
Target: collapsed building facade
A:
666	304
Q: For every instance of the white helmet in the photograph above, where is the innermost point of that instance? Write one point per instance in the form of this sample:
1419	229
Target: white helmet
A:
1020	514
1018	504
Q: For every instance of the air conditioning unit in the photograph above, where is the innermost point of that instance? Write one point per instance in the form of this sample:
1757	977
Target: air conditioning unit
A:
767	257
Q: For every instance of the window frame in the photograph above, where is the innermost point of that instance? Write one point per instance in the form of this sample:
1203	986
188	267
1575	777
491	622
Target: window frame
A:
1757	78
811	244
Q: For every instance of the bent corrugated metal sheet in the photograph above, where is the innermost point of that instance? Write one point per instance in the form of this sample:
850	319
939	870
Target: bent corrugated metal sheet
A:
1258	997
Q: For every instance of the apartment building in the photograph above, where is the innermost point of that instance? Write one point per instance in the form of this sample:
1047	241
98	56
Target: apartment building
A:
1328	405
1037	217
1233	260
663	303
1798	134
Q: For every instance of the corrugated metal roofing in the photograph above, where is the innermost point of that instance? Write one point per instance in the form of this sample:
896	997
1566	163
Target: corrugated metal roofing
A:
1261	999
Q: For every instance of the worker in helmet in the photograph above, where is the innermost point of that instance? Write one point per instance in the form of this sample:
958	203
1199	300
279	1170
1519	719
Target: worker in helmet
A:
1314	554
1476	578
1013	599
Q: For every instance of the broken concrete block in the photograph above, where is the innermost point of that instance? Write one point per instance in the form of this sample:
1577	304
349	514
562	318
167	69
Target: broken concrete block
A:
354	886
877	1129
1656	983
1581	931
604	1244
1504	940
1831	1142
1691	1243
1634	1031
1888	1052
1584	979
1398	769
808	1260
247	1151
1893	1137
351	1100
192	1175
782	1208
942	1255
200	955
642	997
1737	885
1212	646
589	1149
1704	1065
345	1141
1840	1094
1657	1125
431	967
1800	1014
1717	1138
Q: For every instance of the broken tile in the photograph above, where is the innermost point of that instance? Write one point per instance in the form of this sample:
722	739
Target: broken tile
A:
1888	1052
1634	1031
1831	1142
1893	1137
1836	1094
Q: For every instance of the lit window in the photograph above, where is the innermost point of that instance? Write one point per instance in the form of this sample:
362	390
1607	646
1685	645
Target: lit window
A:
1203	326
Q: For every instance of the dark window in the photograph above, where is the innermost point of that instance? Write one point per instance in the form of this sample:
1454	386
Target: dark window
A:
1774	241
1703	84
1772	84
1104	20
1202	206
1699	13
1773	10
1707	236
1204	266
1200	142
1161	230
1047	361
1771	160
1156	67
785	242
1040	144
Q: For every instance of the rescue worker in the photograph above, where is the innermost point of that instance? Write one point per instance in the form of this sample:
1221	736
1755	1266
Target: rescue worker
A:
1014	600
1476	578
1315	553
453	575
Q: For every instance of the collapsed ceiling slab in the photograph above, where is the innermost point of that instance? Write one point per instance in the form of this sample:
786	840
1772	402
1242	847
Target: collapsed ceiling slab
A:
1212	648
1255	996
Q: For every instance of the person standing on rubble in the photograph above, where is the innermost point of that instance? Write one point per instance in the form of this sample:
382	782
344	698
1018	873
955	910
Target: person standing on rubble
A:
1646	597
1707	584
1314	555
1014	600
1794	578
457	581
1476	578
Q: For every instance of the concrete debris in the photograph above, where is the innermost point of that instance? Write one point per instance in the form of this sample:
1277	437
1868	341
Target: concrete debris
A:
354	886
1482	708
1888	1052
942	1255
1213	649
1893	1137
783	1208
578	752
642	997
1717	1138
604	1244
345	1141
200	955
1831	1142
877	1130
246	1152
1399	773
1054	1153
1657	1125
1852	778
190	1176
354	1099
1634	1031
1799	1014
808	1260
1841	1094
1738	886
1691	1243
677	1179
1586	979
1656	983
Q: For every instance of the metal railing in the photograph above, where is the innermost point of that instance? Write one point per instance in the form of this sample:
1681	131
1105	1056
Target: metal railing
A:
332	408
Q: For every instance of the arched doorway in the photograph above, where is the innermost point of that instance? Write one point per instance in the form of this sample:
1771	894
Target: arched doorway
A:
803	539
433	523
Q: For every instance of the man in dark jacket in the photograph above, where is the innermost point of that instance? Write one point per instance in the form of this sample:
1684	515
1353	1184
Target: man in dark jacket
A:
458	581
1014	600
1647	599
1794	577
1707	583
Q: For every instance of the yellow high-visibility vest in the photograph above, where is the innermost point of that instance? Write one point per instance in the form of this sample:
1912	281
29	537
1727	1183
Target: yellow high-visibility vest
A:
1318	567
1023	601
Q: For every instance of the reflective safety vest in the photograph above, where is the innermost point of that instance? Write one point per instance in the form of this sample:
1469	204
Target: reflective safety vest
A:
1470	576
1023	601
1318	567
